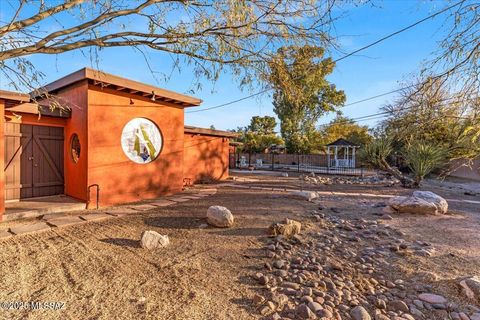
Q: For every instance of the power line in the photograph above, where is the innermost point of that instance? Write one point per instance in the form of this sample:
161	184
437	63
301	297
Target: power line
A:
344	57
231	102
387	113
400	31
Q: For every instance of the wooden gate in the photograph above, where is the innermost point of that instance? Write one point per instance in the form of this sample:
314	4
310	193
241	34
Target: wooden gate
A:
33	161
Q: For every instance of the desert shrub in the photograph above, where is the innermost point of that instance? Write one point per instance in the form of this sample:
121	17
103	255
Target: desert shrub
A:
422	158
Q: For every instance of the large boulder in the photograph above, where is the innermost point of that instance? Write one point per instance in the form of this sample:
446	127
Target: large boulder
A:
287	228
152	240
219	216
421	202
439	202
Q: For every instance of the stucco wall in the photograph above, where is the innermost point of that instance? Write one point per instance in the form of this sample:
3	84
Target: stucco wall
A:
120	179
2	159
76	173
205	157
472	172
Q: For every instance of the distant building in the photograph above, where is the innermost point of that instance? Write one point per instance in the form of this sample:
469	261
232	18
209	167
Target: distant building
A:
341	154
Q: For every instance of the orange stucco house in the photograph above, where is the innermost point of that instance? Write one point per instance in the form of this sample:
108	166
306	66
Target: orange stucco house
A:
119	139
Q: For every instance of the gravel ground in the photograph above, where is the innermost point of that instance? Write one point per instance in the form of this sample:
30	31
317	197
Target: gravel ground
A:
99	270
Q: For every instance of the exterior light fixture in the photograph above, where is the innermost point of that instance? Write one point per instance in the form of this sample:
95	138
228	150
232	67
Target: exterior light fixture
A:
153	96
131	101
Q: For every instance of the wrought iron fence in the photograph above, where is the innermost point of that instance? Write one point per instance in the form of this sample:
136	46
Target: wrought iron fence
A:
307	163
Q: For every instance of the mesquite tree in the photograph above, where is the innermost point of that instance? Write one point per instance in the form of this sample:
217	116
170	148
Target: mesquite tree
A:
457	58
209	36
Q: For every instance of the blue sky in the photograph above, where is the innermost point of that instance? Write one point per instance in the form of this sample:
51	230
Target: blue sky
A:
379	69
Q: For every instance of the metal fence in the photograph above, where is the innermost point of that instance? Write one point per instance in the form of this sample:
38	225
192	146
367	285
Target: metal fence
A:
317	163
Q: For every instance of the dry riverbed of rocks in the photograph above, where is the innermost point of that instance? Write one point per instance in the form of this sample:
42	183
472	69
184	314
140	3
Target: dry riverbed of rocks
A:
342	269
375	179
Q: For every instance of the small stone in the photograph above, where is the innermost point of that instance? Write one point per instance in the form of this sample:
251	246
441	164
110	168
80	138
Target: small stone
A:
397	305
359	313
432	298
304	312
152	240
325	313
418	304
258	299
265	310
271	305
307	195
278	264
416	312
314	306
381	304
287	228
263	280
275	316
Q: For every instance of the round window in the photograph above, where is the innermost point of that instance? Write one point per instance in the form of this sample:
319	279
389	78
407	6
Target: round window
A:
75	147
141	140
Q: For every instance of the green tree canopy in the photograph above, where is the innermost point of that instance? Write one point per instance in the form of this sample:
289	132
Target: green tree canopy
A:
259	135
208	36
301	93
343	127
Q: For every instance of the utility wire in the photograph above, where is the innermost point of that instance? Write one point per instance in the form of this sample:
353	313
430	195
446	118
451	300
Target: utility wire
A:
387	113
344	57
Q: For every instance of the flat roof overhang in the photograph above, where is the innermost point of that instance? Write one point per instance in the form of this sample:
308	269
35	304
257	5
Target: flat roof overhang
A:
103	80
210	132
35	108
12	98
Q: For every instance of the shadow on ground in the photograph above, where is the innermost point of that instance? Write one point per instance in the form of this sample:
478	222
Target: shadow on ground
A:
174	222
241	232
122	242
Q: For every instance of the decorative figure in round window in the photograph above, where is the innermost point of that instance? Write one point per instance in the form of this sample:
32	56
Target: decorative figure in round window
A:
75	147
141	140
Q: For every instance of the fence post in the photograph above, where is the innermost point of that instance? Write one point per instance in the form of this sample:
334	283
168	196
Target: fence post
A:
273	161
298	162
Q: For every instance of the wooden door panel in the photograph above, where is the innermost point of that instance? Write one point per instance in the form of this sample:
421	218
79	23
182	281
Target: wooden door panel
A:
18	148
48	178
12	161
26	170
33	161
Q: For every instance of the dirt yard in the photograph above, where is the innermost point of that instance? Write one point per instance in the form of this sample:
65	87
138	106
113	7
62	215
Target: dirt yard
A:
99	270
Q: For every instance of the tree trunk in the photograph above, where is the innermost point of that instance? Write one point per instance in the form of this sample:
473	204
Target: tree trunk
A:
406	182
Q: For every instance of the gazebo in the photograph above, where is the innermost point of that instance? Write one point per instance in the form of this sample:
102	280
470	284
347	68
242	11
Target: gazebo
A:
343	154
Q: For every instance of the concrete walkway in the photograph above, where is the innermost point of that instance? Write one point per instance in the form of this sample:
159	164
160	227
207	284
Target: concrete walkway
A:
36	207
59	220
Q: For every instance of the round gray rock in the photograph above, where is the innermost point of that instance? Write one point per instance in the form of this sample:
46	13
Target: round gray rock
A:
219	216
152	240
